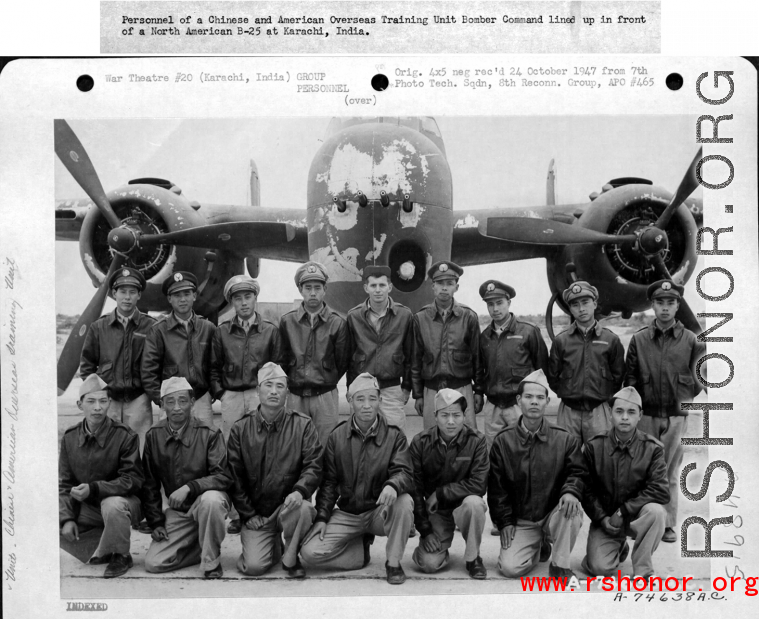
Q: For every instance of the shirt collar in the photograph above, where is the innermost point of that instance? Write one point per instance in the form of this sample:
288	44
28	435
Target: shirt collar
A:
134	316
177	435
371	432
269	426
99	435
676	329
455	440
388	308
175	321
510	325
323	312
526	435
596	328
454	307
252	321
615	443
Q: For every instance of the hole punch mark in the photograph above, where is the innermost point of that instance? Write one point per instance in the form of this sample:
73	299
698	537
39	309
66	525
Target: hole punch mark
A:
380	82
85	83
674	81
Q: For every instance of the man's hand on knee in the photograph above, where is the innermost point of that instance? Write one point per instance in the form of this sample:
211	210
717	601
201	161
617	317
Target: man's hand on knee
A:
431	543
292	501
569	505
387	496
318	529
159	533
179	496
70	531
80	492
507	535
256	522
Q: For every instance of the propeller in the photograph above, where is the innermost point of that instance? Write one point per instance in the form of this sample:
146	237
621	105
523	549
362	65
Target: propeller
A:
72	154
536	231
68	362
687	186
231	236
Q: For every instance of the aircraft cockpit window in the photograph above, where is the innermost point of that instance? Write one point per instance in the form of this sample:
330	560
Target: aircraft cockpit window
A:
429	125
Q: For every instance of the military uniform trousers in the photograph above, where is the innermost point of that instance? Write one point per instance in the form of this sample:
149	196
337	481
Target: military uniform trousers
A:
261	549
194	536
392	406
116	514
429	407
321	408
669	430
647	529
343	548
585	424
523	554
234	404
497	419
469	517
137	414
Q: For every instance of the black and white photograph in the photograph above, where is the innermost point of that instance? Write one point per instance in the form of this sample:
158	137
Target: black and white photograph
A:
562	231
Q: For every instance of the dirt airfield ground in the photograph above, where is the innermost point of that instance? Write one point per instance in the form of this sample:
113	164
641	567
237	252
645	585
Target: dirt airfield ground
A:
81	581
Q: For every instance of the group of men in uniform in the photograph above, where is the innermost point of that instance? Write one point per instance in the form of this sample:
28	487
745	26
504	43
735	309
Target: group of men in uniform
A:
282	465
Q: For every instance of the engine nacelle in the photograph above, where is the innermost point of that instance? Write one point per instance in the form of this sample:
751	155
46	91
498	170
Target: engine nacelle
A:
620	272
154	209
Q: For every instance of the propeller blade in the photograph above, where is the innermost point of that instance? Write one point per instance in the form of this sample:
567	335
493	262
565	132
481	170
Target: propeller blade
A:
72	155
687	186
684	312
535	231
68	362
233	236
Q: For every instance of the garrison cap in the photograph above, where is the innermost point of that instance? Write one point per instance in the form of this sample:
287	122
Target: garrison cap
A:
362	382
493	289
127	276
665	289
270	370
181	280
446	397
240	283
629	394
579	289
174	384
445	269
92	383
377	271
537	377
311	271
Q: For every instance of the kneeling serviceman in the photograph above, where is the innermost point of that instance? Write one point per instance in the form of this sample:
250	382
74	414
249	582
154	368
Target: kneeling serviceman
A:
450	478
99	475
275	459
627	491
537	476
367	472
187	458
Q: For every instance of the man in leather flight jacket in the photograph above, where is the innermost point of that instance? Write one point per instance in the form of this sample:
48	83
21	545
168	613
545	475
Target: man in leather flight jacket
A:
315	351
275	460
537	478
626	491
367	473
180	345
113	350
661	362
446	347
381	343
99	476
450	478
189	460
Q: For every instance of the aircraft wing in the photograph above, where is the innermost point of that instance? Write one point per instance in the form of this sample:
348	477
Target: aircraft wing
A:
69	215
472	245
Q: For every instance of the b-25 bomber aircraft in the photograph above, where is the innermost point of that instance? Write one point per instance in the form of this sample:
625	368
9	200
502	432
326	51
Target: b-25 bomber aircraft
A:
379	191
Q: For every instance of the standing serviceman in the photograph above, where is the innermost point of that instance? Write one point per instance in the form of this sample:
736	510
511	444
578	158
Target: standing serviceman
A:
315	350
381	343
179	344
586	366
446	347
661	361
113	350
511	349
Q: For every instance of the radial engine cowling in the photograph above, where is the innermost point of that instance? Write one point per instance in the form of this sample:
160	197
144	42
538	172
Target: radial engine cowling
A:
620	271
151	209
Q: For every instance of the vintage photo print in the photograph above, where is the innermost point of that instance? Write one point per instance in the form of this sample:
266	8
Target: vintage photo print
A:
571	287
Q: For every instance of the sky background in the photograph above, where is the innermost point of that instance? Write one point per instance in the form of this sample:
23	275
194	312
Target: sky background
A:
496	162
